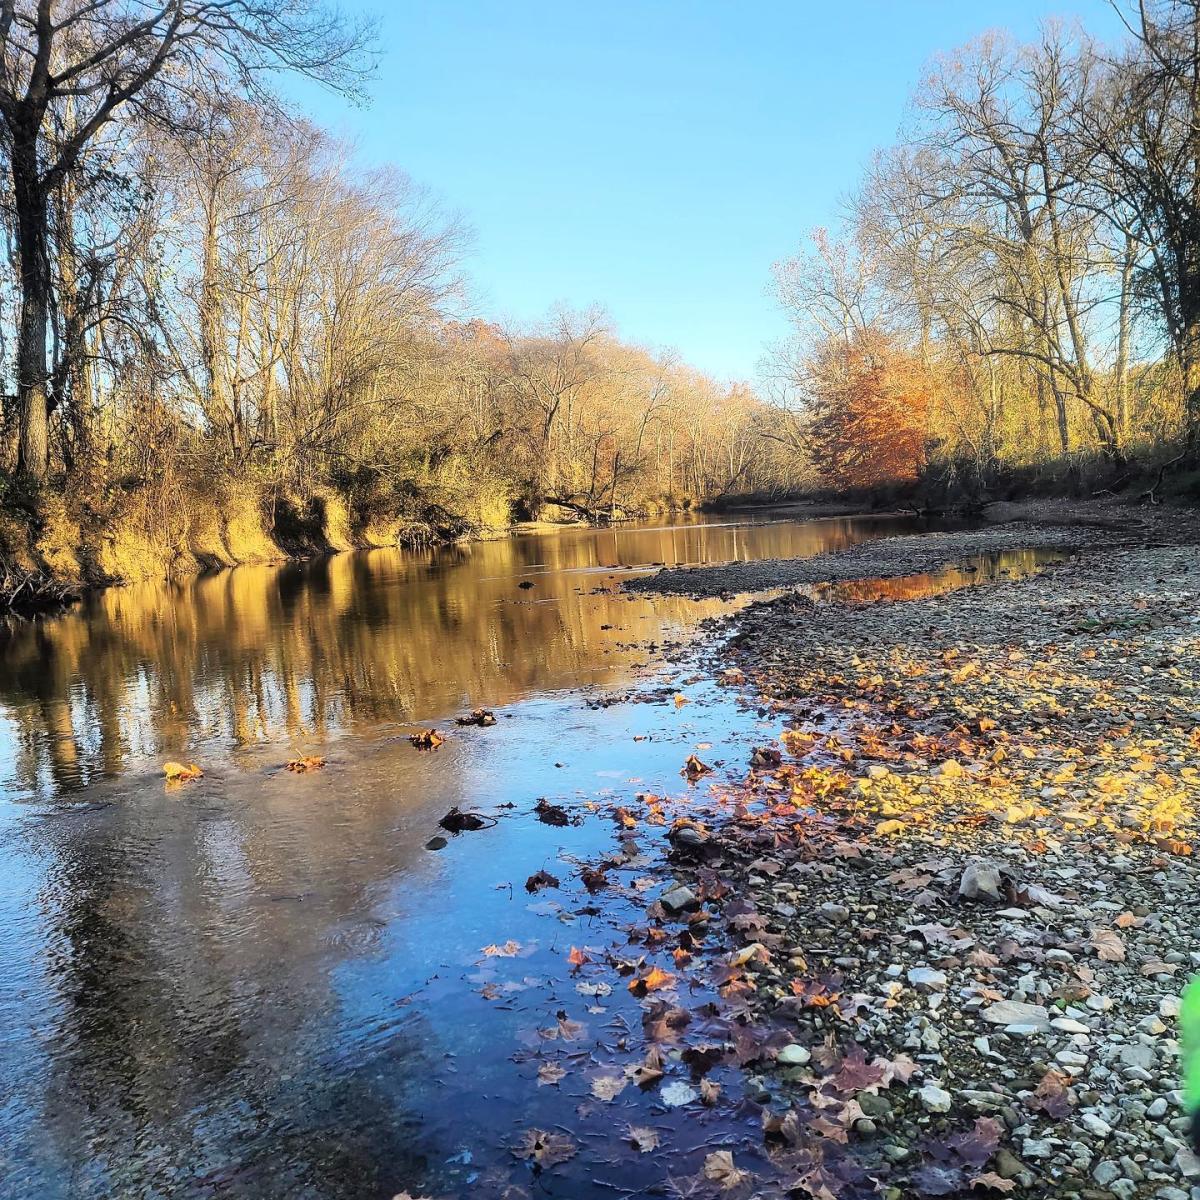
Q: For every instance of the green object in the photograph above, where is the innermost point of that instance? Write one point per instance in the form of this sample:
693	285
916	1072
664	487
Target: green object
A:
1189	1044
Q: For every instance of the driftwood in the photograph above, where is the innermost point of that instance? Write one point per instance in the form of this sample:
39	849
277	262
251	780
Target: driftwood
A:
594	514
1149	494
24	591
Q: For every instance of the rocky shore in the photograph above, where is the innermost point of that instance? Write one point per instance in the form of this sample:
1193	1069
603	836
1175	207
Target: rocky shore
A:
951	911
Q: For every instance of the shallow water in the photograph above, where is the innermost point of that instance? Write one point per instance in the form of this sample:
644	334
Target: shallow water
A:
262	984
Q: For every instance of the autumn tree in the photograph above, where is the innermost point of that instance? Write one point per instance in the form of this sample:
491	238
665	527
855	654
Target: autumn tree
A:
869	404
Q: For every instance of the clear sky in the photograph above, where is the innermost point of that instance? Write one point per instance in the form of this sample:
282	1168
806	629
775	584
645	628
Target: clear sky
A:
654	157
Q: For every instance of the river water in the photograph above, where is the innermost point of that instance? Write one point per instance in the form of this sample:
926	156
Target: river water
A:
262	984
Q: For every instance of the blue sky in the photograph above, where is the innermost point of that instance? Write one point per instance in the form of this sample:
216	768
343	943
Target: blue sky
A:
654	158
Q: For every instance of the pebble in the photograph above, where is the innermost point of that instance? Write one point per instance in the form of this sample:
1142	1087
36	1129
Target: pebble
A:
934	1098
926	979
793	1055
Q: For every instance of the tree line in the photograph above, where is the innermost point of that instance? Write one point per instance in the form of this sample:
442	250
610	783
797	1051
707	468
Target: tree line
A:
206	291
1016	286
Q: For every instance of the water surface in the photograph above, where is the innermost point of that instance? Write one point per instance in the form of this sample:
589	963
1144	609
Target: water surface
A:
262	984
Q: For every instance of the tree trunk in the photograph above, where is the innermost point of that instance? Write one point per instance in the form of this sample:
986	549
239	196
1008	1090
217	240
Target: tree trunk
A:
33	399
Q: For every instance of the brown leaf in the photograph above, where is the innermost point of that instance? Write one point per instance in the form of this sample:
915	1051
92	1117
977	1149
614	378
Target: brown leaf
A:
989	1179
643	1138
1108	945
719	1168
693	768
549	1073
310	762
539	880
510	949
545	1149
608	1087
427	739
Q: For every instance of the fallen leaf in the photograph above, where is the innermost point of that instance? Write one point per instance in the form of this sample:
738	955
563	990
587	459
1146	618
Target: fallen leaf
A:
989	1179
510	949
577	958
427	739
545	1149
310	762
539	880
608	1087
179	773
693	768
643	1138
550	1073
1108	945
654	979
720	1169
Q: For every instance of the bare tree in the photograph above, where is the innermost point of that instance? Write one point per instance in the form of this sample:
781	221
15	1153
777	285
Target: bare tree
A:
104	56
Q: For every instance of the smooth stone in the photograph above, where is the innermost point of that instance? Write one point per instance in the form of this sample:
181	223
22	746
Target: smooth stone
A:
1015	1012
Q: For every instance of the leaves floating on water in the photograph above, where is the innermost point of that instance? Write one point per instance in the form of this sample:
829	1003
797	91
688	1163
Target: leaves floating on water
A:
545	1149
693	768
510	949
643	1138
719	1169
550	1073
539	880
551	814
482	717
427	739
310	762
181	773
654	979
457	821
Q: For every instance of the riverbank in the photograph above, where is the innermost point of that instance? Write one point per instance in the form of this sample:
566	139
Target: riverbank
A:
55	552
954	905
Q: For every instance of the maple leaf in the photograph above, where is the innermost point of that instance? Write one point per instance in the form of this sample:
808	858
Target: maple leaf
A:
662	1022
1052	1096
654	979
693	768
545	1149
643	1138
828	1129
856	1074
577	958
539	880
720	1169
608	1087
549	1073
647	1073
975	1146
510	949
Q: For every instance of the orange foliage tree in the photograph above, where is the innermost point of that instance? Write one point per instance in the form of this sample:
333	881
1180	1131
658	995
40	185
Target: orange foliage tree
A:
869	403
